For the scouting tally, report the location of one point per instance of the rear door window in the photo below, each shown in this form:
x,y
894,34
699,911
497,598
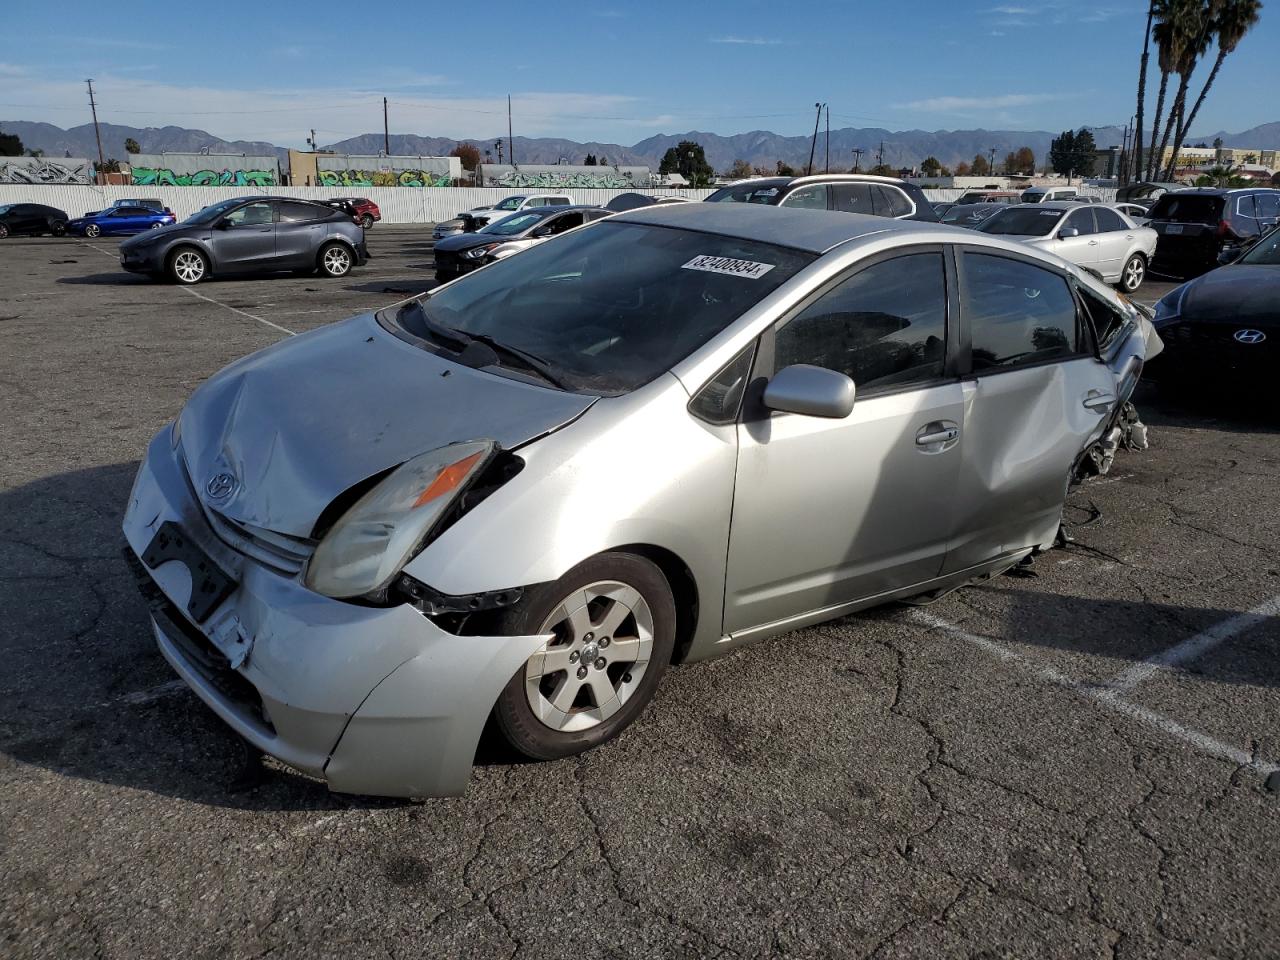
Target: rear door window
x,y
293,212
854,198
1017,314
1108,220
891,202
1268,206
1245,206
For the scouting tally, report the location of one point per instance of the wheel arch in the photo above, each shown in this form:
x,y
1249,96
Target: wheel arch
x,y
684,589
351,247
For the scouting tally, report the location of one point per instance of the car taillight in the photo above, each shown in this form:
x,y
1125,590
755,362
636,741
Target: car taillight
x,y
1224,229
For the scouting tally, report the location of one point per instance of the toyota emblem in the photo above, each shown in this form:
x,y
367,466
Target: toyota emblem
x,y
220,486
1249,336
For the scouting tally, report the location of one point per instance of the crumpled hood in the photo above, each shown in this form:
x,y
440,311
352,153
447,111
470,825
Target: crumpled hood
x,y
298,423
1240,294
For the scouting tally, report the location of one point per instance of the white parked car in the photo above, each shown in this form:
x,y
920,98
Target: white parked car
x,y
510,205
1095,236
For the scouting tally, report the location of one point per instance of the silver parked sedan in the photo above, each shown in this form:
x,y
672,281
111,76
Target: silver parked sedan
x,y
651,440
1097,237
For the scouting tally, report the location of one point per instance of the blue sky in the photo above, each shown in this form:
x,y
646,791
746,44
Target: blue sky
x,y
598,70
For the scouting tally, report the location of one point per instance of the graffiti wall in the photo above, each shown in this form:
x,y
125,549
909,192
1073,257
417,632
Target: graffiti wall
x,y
44,170
203,170
563,176
345,170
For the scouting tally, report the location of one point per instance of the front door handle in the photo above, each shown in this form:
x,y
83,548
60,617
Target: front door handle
x,y
937,434
1093,243
1097,401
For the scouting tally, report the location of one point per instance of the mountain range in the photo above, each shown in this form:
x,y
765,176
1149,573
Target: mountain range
x,y
759,147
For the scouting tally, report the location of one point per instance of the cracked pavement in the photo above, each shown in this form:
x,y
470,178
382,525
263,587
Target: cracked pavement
x,y
871,787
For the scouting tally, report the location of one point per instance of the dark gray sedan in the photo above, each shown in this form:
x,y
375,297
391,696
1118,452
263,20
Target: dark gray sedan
x,y
250,235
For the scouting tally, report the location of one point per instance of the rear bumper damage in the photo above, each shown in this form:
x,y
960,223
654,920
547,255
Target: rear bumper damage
x,y
374,700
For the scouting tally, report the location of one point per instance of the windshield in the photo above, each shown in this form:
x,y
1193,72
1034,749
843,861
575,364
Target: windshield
x,y
511,203
509,226
5,208
747,193
615,306
212,212
1266,251
1022,222
1032,196
1183,208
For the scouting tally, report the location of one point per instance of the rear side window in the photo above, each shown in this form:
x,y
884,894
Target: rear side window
x,y
1188,209
854,198
1082,220
293,212
1016,313
891,202
812,197
1268,206
1108,220
884,327
1244,205
558,202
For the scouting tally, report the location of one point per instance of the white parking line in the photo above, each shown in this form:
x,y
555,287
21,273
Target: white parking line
x,y
1105,697
242,313
1195,647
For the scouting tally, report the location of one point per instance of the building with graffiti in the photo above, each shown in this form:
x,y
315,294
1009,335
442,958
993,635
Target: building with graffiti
x,y
203,170
563,176
351,170
45,170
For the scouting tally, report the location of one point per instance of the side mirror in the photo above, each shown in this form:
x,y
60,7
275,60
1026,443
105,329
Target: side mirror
x,y
1229,255
1066,233
541,232
222,225
810,391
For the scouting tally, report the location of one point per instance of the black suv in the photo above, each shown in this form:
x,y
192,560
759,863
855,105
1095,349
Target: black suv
x,y
31,218
846,192
1196,227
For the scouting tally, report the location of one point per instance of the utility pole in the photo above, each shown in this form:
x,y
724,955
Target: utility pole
x,y
813,144
991,164
857,156
511,144
386,130
312,141
826,167
93,107
880,155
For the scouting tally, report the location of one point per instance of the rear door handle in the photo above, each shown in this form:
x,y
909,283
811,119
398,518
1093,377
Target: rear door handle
x,y
1097,401
1093,243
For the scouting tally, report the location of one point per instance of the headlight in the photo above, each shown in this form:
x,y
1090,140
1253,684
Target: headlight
x,y
365,550
475,253
1170,306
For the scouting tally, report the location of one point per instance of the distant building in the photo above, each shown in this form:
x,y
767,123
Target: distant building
x,y
562,176
203,170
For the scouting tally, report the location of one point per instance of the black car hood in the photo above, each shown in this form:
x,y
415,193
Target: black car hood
x,y
467,241
1245,294
304,420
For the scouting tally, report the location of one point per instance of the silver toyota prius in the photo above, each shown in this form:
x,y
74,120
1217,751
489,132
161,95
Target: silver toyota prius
x,y
651,440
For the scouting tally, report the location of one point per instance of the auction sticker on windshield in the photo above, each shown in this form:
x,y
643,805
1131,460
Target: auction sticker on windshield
x,y
729,266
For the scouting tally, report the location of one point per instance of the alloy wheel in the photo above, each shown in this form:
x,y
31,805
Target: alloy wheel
x,y
1134,271
336,261
156,226
92,230
4,231
366,221
188,266
602,637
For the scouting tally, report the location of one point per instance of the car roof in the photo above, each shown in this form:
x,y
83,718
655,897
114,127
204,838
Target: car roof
x,y
1051,205
816,178
815,231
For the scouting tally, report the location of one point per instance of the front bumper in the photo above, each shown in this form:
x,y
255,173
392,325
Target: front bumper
x,y
374,700
1210,350
146,260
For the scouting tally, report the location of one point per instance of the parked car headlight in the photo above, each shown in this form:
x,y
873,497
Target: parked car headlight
x,y
475,253
367,547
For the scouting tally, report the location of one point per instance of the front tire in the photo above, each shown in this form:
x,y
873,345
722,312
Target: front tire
x,y
92,231
4,230
58,229
1134,272
367,221
336,260
613,622
188,266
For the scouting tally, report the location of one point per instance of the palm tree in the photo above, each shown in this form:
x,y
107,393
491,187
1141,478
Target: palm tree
x,y
1234,20
1142,90
1193,27
1168,39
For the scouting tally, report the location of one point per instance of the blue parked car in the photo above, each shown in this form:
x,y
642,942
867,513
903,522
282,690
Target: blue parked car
x,y
120,220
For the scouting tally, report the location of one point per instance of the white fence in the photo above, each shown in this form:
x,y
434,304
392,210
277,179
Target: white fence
x,y
398,204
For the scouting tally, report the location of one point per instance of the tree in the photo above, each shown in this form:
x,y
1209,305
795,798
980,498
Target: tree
x,y
591,161
1199,27
1217,143
131,145
1142,87
1234,20
469,154
1010,163
740,170
1072,153
962,169
980,167
784,170
946,172
35,152
10,145
1182,36
689,160
930,167
1026,160
883,170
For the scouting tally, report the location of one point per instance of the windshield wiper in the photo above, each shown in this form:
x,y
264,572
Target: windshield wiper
x,y
460,340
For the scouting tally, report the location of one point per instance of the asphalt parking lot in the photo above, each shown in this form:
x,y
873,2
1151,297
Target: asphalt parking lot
x,y
1073,763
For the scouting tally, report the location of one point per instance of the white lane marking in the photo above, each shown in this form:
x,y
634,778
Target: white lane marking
x,y
86,243
1195,647
243,313
1104,697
